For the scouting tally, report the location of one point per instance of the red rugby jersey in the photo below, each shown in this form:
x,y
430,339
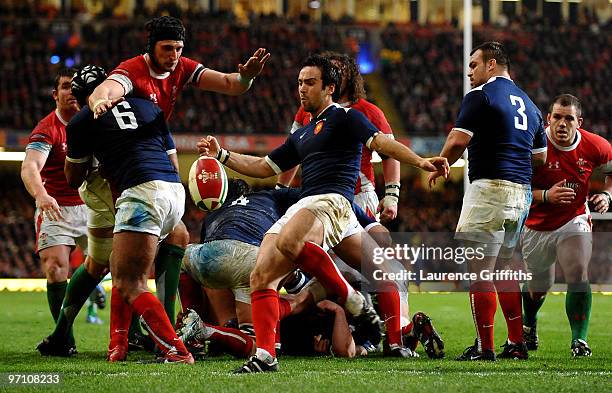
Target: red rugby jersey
x,y
137,77
574,163
52,130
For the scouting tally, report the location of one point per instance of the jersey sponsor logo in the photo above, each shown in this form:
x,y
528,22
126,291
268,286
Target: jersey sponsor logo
x,y
554,165
153,97
319,126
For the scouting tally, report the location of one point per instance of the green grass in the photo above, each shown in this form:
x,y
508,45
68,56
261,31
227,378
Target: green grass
x,y
25,320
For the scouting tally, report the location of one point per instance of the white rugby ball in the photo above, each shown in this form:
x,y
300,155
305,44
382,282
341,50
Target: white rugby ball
x,y
207,183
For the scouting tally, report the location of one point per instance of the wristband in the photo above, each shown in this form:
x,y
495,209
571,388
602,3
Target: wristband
x,y
544,199
606,193
392,189
223,156
245,81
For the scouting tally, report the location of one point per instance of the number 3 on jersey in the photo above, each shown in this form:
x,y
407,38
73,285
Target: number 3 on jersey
x,y
520,123
125,119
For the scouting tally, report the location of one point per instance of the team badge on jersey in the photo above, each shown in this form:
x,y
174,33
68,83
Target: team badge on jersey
x,y
319,126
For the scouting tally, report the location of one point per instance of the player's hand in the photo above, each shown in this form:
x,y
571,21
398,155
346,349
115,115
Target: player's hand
x,y
49,208
254,65
387,208
103,105
328,305
560,195
321,345
436,164
209,146
600,202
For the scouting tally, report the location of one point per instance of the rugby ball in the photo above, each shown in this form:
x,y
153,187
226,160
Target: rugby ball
x,y
207,183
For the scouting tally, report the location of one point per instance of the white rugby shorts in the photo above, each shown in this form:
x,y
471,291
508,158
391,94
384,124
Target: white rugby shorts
x,y
96,193
539,248
368,201
333,210
71,230
154,207
222,264
493,213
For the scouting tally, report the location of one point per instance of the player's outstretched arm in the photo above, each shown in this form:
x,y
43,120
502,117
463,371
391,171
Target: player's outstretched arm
x,y
393,148
453,149
105,96
241,163
237,82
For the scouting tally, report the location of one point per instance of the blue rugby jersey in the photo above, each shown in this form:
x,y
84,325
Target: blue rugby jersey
x,y
131,142
248,217
506,129
329,150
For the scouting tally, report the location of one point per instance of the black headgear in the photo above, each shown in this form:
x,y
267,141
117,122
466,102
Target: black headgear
x,y
85,80
164,28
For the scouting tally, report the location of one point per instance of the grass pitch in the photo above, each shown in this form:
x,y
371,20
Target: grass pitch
x,y
25,320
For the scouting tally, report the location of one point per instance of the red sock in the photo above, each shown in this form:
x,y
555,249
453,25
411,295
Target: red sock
x,y
407,329
509,294
389,303
265,309
284,308
316,262
233,341
155,320
190,293
484,305
120,319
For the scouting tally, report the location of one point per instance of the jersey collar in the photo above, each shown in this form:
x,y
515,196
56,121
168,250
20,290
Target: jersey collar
x,y
59,116
326,108
564,148
491,79
151,71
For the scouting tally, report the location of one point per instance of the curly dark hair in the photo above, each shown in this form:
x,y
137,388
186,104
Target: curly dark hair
x,y
350,71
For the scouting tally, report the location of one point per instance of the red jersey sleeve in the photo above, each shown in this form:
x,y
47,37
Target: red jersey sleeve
x,y
604,154
193,71
377,117
43,132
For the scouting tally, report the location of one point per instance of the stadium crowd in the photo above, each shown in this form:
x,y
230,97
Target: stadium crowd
x,y
421,65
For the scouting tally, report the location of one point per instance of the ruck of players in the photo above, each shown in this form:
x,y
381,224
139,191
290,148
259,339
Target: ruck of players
x,y
284,271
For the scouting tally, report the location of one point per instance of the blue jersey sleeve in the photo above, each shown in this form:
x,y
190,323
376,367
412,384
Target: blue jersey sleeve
x,y
361,127
76,136
362,216
168,141
284,157
470,113
539,139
